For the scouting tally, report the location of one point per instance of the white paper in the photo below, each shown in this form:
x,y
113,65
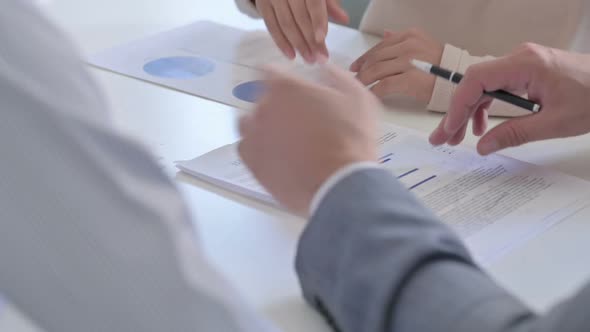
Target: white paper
x,y
494,203
212,61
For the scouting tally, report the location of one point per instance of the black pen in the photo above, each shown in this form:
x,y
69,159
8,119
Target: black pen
x,y
457,77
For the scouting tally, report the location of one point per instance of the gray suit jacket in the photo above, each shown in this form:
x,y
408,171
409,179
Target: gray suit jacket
x,y
93,236
391,265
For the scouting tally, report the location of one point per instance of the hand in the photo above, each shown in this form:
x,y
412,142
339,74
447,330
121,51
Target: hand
x,y
388,63
301,25
303,132
559,81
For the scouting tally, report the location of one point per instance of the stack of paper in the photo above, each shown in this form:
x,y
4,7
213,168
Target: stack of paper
x,y
494,203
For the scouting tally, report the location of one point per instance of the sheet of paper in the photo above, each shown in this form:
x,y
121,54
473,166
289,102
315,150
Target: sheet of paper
x,y
219,62
494,203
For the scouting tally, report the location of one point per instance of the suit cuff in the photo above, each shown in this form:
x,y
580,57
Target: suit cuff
x,y
365,241
335,178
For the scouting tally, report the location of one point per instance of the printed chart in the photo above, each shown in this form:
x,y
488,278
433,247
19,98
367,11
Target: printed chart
x,y
249,91
179,67
219,62
412,177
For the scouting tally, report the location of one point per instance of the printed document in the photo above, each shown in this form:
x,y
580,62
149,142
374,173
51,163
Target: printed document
x,y
494,203
219,62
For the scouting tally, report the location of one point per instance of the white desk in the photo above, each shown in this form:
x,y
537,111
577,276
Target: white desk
x,y
254,245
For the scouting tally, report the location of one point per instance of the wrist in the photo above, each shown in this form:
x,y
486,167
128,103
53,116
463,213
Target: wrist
x,y
334,178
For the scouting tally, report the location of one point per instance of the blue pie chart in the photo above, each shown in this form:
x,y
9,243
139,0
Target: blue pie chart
x,y
179,67
249,91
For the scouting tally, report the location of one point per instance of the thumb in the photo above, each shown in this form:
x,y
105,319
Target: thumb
x,y
336,12
512,133
387,33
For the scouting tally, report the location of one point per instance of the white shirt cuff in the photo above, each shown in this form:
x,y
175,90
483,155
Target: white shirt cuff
x,y
335,178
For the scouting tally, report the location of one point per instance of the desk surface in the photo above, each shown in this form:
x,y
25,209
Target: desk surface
x,y
252,244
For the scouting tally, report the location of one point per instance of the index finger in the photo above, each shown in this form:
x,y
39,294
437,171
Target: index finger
x,y
391,39
511,73
318,12
272,24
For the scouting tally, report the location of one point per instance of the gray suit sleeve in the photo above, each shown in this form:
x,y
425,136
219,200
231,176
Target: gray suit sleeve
x,y
93,236
373,259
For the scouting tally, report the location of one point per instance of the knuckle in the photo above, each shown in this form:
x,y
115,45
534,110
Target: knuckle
x,y
471,74
529,47
535,52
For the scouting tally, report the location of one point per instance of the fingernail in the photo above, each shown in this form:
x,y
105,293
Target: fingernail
x,y
309,57
289,54
488,147
433,138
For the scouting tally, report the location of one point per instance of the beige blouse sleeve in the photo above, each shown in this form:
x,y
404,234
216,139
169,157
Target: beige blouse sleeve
x,y
459,60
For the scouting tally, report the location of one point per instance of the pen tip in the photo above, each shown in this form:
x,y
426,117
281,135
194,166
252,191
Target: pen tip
x,y
424,66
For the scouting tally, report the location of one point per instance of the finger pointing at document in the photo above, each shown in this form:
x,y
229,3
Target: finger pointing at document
x,y
301,26
557,80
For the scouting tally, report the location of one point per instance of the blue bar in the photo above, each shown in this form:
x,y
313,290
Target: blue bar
x,y
422,182
386,160
407,173
386,156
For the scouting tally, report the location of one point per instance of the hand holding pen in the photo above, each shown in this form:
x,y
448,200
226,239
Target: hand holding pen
x,y
557,80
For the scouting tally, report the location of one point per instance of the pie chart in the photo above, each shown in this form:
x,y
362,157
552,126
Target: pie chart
x,y
179,67
249,91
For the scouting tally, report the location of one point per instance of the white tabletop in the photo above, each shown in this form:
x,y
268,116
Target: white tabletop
x,y
252,244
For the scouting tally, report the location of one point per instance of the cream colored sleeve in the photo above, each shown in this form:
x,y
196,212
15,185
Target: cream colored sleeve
x,y
459,60
247,7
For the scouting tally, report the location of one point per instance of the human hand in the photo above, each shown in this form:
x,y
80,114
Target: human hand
x,y
557,80
301,25
303,132
388,63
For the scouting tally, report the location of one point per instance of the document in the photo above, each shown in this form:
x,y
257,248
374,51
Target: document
x,y
494,203
219,62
